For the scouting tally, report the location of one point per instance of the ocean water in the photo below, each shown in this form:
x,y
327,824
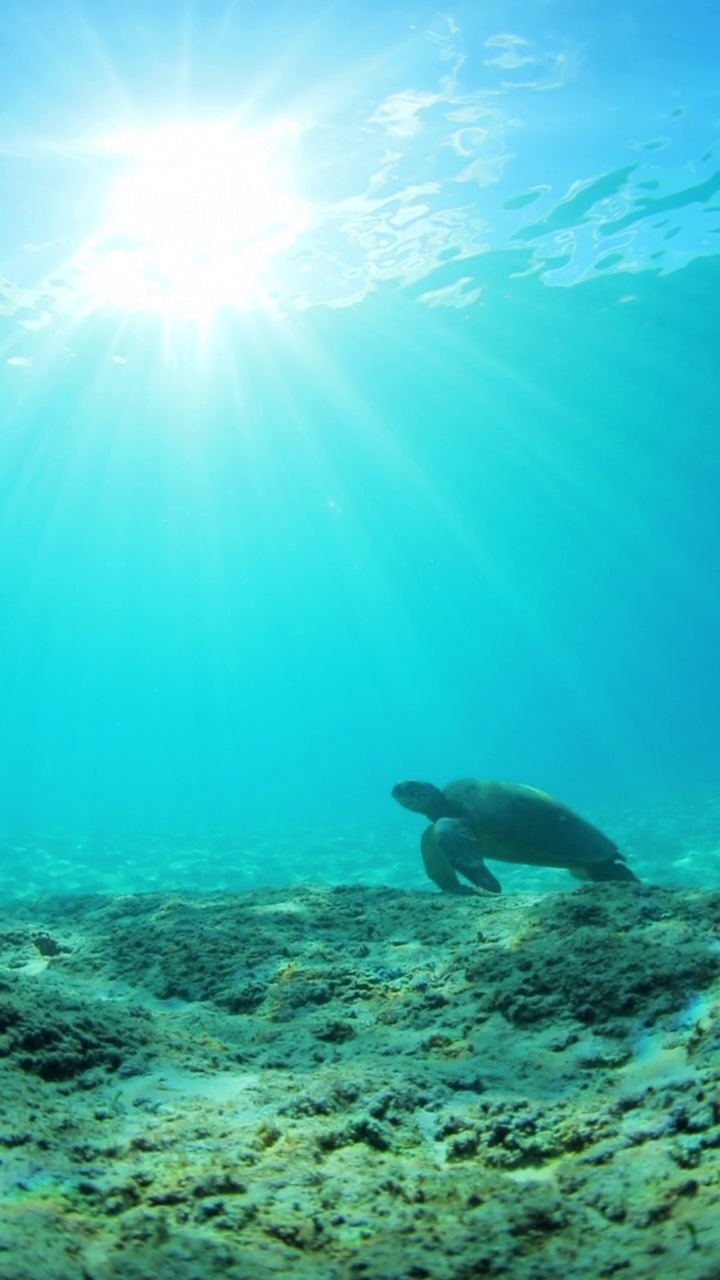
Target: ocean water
x,y
358,372
359,420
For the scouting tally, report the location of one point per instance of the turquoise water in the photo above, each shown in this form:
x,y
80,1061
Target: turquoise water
x,y
407,468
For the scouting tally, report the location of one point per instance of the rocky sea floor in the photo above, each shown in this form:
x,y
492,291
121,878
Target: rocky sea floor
x,y
340,1082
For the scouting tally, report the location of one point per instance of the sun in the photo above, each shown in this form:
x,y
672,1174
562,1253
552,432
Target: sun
x,y
196,218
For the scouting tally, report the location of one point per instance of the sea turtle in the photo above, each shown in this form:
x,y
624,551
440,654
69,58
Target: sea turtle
x,y
474,819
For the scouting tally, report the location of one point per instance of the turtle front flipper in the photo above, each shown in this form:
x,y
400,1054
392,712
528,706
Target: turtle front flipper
x,y
462,851
437,865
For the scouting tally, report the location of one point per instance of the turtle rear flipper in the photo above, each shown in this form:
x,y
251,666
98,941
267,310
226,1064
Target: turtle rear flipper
x,y
602,872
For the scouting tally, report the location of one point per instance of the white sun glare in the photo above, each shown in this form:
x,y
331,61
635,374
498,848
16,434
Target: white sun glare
x,y
196,218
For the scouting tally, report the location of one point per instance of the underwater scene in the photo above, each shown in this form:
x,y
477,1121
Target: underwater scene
x,y
360,640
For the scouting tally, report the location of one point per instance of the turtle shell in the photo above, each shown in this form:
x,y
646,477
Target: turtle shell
x,y
515,823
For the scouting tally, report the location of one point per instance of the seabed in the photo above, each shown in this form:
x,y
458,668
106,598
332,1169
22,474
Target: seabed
x,y
339,1082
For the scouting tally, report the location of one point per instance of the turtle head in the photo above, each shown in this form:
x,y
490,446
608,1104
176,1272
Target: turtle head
x,y
421,797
